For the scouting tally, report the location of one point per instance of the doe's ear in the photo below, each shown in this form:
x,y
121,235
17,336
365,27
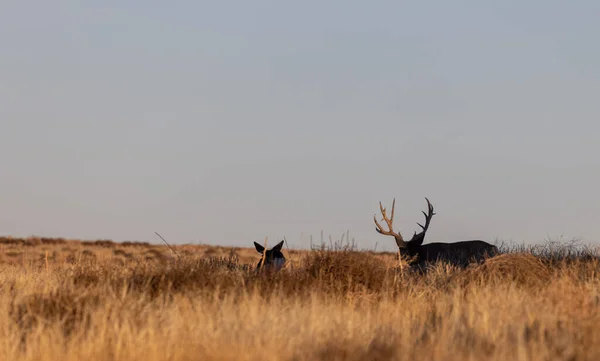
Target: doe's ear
x,y
259,248
278,246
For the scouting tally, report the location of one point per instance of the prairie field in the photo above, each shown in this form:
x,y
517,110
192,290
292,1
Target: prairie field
x,y
100,300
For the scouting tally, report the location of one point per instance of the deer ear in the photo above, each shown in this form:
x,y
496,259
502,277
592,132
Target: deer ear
x,y
417,239
278,246
259,248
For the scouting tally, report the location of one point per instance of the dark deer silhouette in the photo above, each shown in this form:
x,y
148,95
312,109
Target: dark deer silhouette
x,y
458,253
273,258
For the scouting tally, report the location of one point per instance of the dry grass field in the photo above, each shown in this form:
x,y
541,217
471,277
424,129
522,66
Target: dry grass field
x,y
72,300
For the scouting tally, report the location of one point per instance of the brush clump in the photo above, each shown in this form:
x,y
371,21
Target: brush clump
x,y
519,269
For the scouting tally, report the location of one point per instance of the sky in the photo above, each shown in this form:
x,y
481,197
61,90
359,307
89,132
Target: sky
x,y
228,122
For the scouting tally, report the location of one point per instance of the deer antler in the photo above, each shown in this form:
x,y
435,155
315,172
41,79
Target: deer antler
x,y
420,237
390,232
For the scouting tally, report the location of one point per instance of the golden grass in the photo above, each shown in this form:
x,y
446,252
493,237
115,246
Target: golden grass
x,y
110,301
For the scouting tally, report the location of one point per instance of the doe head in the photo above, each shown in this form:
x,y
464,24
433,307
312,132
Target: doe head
x,y
273,258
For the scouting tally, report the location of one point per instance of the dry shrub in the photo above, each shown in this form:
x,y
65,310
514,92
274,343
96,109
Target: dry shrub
x,y
376,350
9,240
88,254
211,251
120,252
32,241
581,269
522,269
155,255
66,307
71,258
346,270
231,263
135,244
85,277
187,275
28,242
49,240
186,252
103,243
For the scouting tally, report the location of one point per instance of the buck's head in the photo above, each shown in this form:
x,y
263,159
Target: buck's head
x,y
405,247
273,258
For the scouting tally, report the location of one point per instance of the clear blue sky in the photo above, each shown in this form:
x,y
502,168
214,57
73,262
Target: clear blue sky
x,y
225,122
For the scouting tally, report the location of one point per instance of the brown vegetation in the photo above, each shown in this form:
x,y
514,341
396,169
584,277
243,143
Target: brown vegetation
x,y
108,301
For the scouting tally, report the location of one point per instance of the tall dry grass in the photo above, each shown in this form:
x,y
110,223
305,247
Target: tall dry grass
x,y
331,305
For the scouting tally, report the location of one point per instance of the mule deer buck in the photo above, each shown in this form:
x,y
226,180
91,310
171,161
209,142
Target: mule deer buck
x,y
458,253
272,258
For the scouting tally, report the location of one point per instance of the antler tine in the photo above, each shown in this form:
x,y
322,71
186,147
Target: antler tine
x,y
393,209
386,219
428,215
417,239
381,209
389,221
379,228
429,206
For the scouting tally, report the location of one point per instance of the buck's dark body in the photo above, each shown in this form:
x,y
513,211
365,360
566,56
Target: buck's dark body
x,y
458,253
